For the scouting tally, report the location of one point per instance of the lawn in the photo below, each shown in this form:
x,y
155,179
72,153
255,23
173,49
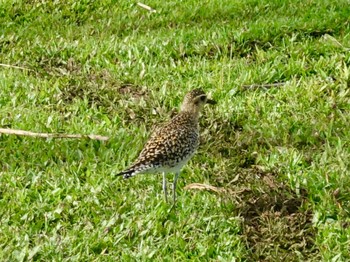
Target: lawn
x,y
275,148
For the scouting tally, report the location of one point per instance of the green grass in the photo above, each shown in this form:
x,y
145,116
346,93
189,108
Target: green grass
x,y
112,68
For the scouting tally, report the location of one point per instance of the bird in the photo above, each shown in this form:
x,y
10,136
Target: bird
x,y
172,144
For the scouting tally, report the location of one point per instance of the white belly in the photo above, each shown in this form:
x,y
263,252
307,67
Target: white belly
x,y
176,168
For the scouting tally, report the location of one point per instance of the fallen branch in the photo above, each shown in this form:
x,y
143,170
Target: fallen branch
x,y
17,67
254,86
50,135
146,7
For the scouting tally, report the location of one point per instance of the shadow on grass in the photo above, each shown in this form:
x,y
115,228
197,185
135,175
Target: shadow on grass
x,y
276,222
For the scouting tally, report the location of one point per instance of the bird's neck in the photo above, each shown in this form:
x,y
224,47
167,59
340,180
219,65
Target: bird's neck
x,y
192,115
191,109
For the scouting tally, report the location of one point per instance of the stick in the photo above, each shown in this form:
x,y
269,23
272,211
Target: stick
x,y
50,135
146,7
204,187
253,86
218,190
334,41
17,67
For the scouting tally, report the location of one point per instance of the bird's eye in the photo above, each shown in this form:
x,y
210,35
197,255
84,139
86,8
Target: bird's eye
x,y
203,98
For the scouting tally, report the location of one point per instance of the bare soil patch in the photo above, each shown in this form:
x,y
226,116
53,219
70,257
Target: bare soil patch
x,y
276,222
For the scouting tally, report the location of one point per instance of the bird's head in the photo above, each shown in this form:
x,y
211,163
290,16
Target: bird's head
x,y
195,100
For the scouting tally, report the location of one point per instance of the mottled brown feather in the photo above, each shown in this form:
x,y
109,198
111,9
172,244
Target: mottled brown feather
x,y
174,143
171,143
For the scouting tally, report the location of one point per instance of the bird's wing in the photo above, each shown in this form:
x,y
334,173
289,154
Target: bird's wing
x,y
168,144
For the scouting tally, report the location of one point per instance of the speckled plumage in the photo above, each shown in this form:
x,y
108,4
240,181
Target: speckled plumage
x,y
173,144
168,146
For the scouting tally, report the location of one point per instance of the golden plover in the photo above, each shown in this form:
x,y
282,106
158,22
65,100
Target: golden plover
x,y
173,144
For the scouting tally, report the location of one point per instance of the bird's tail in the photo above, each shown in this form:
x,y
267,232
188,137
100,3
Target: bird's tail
x,y
130,172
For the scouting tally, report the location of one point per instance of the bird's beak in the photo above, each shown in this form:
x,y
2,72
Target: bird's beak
x,y
211,102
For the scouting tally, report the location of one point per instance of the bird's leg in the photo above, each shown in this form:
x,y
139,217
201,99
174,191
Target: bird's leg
x,y
164,187
174,186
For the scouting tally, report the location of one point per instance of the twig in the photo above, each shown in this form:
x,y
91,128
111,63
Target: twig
x,y
146,7
334,41
17,67
219,190
204,187
254,86
50,135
